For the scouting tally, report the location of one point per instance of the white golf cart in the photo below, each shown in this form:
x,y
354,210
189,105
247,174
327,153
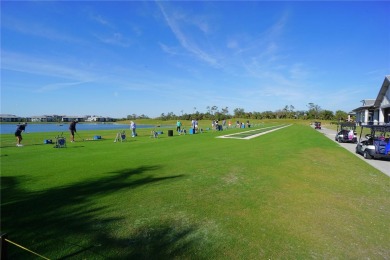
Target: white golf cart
x,y
376,144
346,133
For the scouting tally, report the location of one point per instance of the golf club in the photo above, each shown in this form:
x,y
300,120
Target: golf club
x,y
80,136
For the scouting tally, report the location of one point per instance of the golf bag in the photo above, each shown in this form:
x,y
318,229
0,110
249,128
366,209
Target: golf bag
x,y
120,136
60,142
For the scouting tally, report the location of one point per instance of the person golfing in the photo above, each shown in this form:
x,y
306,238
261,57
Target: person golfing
x,y
133,128
18,133
72,129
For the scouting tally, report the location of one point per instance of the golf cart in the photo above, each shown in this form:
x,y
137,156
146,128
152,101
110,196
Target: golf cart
x,y
346,133
376,144
317,125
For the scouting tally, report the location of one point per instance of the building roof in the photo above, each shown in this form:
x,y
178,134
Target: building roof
x,y
8,115
44,116
367,103
382,91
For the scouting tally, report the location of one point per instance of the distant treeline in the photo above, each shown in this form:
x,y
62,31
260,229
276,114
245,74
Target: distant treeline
x,y
314,112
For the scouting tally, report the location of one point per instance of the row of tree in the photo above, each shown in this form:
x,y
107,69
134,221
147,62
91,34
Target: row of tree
x,y
314,112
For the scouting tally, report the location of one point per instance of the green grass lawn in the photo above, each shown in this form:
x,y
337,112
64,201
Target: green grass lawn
x,y
292,193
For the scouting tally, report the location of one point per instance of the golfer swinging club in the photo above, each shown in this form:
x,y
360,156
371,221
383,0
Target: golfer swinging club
x,y
72,129
18,133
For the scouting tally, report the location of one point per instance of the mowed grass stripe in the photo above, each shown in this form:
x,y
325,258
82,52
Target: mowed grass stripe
x,y
246,134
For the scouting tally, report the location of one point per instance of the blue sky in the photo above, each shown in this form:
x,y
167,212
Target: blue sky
x,y
150,57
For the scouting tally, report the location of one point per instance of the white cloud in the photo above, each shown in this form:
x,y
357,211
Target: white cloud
x,y
177,20
114,39
57,86
113,36
37,29
232,44
263,61
167,49
43,67
99,19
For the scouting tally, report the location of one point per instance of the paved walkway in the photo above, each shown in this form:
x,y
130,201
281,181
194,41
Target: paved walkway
x,y
382,165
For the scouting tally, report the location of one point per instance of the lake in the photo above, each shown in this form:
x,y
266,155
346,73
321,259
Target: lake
x,y
36,128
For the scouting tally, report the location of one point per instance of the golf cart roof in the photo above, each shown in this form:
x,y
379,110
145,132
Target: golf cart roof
x,y
350,124
382,128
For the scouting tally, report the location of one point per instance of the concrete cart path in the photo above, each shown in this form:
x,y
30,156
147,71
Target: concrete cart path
x,y
382,165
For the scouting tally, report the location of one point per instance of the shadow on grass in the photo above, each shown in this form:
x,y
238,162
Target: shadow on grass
x,y
78,146
68,222
155,241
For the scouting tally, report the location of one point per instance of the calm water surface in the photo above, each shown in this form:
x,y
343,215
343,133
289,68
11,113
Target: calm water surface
x,y
36,128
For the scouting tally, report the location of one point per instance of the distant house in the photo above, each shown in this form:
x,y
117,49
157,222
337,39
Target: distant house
x,y
376,111
96,119
9,118
99,119
71,118
44,118
351,115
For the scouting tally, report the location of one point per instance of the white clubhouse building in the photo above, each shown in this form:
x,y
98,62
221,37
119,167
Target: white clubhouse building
x,y
376,111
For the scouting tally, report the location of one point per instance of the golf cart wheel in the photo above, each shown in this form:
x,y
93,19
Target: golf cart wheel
x,y
366,155
339,140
